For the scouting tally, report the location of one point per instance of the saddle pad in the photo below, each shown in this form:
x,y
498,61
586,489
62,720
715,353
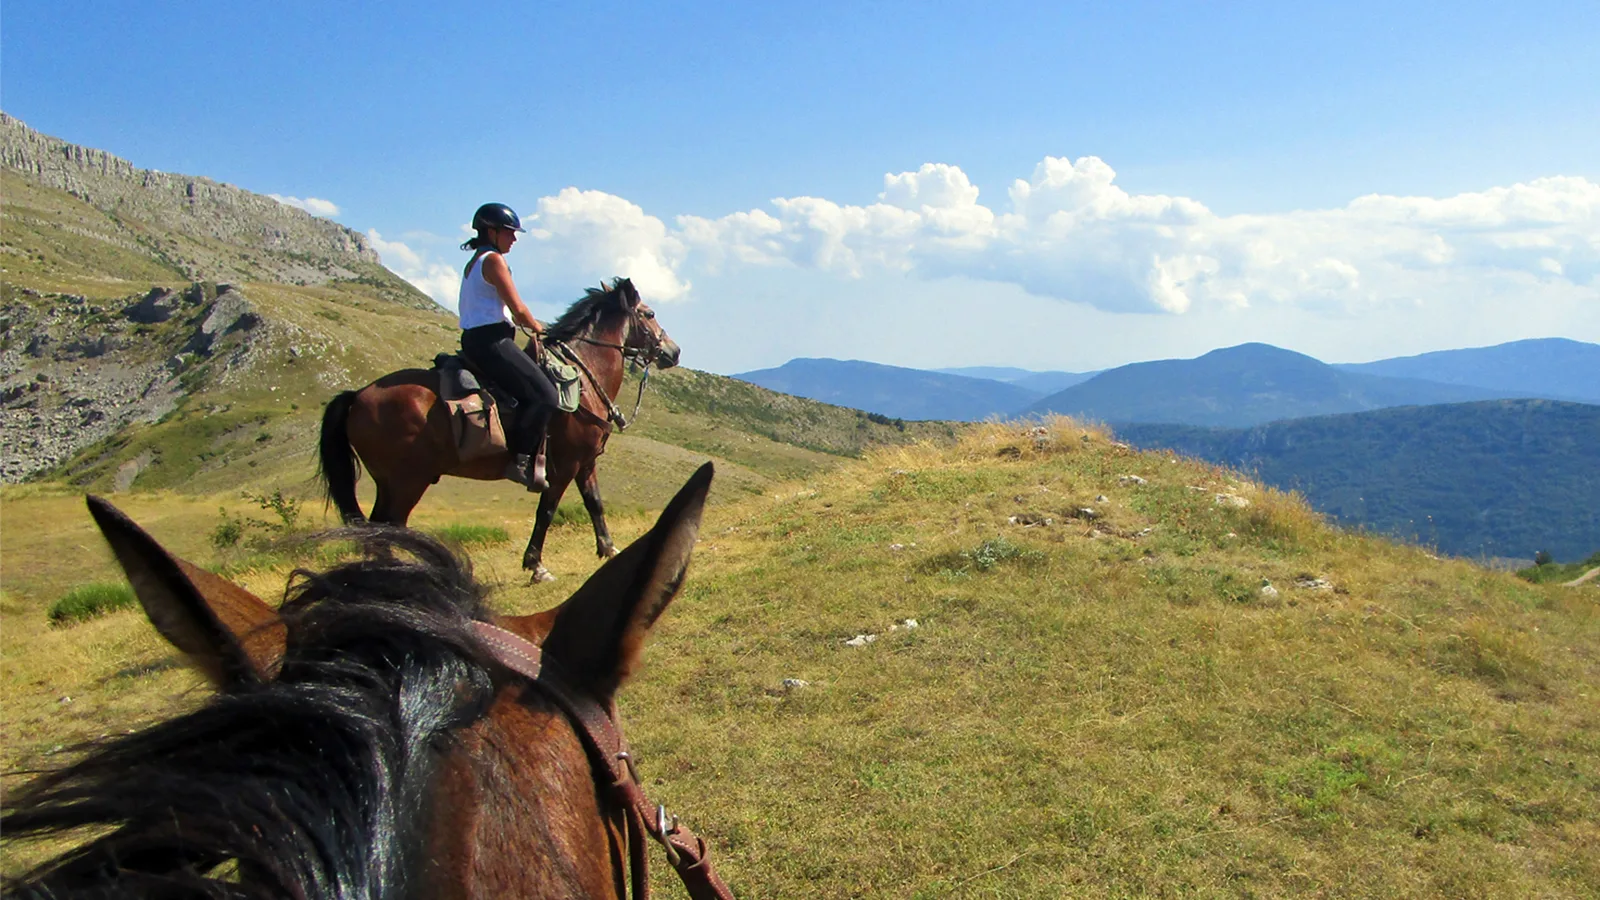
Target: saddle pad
x,y
455,380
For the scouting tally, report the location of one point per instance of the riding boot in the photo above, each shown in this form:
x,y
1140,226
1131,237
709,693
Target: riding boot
x,y
524,469
518,470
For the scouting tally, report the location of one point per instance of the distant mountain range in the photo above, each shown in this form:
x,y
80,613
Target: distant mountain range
x,y
1499,478
1232,387
1555,368
892,391
1244,385
1041,382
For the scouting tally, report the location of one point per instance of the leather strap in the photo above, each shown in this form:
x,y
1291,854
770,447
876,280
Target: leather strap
x,y
613,767
512,650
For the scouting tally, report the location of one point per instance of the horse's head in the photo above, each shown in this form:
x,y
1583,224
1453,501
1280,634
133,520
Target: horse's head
x,y
646,339
460,776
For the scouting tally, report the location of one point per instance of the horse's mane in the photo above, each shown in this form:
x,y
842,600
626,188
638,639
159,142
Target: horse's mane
x,y
588,309
310,783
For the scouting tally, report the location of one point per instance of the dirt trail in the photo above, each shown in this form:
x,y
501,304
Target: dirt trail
x,y
1590,575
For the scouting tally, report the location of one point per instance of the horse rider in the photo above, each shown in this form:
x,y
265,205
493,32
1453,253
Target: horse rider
x,y
490,306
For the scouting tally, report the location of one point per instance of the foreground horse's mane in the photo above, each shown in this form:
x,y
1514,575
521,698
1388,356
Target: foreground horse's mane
x,y
587,310
307,782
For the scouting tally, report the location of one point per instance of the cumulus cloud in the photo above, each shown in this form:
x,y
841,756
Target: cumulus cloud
x,y
1072,233
314,205
582,236
436,279
575,238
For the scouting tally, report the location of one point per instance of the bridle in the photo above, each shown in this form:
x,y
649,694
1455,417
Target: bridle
x,y
613,767
640,357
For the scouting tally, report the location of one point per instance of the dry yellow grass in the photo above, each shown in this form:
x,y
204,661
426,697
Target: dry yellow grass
x,y
1104,705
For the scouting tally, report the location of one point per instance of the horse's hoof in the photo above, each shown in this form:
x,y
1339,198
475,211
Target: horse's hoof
x,y
541,575
607,551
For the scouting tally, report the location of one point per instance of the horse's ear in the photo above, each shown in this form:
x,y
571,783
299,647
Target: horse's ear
x,y
228,634
599,631
629,292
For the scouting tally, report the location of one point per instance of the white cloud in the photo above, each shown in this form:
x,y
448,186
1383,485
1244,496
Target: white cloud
x,y
1069,232
313,205
437,280
580,237
1072,234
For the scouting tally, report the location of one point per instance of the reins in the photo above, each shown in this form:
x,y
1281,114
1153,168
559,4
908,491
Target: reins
x,y
613,414
609,757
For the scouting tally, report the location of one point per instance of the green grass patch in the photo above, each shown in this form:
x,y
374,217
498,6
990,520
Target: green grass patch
x,y
91,600
462,534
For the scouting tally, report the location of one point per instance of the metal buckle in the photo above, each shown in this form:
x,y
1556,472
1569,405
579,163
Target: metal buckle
x,y
667,825
627,761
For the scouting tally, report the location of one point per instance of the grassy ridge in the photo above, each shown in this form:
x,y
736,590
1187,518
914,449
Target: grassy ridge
x,y
1113,707
1113,715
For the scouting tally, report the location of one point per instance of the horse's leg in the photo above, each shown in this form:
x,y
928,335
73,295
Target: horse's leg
x,y
396,499
533,557
589,487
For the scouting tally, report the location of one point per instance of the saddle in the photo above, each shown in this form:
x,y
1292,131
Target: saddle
x,y
478,417
481,411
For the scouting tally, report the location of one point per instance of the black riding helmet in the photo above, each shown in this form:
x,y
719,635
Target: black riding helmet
x,y
496,215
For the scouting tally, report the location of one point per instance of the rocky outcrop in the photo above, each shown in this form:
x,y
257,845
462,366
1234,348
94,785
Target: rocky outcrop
x,y
74,372
211,231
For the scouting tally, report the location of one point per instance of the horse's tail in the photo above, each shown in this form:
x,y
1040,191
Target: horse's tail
x,y
337,465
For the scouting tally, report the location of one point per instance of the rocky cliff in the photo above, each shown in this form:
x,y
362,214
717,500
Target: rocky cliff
x,y
203,229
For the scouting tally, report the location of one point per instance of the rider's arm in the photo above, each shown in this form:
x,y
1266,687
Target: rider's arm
x,y
497,273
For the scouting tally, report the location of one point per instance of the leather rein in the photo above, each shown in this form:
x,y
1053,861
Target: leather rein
x,y
614,773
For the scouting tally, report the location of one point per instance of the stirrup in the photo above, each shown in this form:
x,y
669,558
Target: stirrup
x,y
536,478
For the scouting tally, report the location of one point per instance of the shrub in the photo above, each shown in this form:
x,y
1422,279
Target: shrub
x,y
229,531
983,557
287,509
91,600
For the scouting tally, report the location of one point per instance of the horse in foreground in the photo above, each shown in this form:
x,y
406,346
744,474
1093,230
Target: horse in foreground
x,y
400,430
382,735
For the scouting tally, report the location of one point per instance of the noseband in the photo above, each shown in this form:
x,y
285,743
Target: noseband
x,y
614,773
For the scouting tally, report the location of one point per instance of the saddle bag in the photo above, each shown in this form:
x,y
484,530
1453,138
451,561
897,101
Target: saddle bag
x,y
474,422
475,425
569,389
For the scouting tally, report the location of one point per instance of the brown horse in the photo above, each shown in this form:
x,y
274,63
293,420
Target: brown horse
x,y
400,430
375,737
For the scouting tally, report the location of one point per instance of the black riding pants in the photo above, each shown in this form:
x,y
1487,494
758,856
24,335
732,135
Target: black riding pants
x,y
493,349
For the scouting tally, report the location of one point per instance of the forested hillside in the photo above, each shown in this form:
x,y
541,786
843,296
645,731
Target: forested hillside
x,y
1501,478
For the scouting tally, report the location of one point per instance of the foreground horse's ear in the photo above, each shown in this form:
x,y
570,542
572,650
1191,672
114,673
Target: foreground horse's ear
x,y
599,631
227,632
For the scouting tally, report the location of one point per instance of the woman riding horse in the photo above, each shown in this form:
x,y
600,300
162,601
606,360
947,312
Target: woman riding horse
x,y
490,306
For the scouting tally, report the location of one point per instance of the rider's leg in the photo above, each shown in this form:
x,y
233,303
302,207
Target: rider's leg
x,y
533,421
494,350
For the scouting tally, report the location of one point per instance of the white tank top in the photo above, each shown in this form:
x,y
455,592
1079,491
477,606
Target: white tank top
x,y
479,302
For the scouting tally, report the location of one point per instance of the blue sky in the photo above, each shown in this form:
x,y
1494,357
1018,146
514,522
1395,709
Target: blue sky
x,y
1069,187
